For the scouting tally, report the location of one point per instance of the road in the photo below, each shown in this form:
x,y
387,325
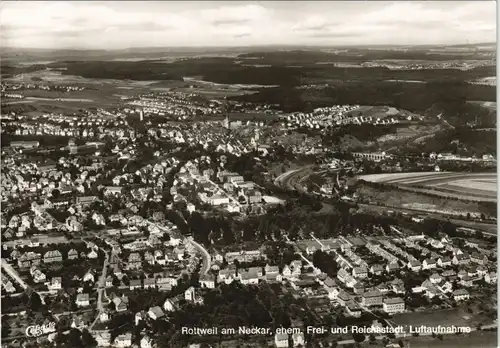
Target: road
x,y
12,272
289,179
207,260
101,288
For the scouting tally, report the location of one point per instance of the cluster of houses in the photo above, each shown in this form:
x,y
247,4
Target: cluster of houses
x,y
233,193
453,270
315,119
334,115
32,86
178,105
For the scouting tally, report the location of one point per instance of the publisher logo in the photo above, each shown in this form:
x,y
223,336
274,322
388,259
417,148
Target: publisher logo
x,y
39,330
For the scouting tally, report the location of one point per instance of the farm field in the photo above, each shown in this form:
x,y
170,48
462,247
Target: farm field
x,y
464,186
414,199
445,317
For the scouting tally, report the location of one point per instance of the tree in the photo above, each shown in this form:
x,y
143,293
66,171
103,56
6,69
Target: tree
x,y
74,339
88,340
56,193
35,302
5,329
358,337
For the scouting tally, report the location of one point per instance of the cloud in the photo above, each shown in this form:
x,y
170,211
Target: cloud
x,y
312,23
412,22
234,14
117,24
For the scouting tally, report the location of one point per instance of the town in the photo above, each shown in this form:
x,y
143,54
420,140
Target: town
x,y
246,197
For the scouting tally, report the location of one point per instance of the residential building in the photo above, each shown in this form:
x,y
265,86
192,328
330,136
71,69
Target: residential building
x,y
298,339
171,304
72,254
372,298
55,284
146,342
156,313
461,295
123,341
461,259
394,305
360,272
189,294
281,340
28,259
207,281
82,300
491,278
444,261
121,303
52,256
135,284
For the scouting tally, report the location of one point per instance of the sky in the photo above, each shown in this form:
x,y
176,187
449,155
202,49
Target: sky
x,y
126,24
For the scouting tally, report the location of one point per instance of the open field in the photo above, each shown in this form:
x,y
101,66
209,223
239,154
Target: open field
x,y
416,200
489,81
214,92
465,186
374,111
488,105
488,228
445,317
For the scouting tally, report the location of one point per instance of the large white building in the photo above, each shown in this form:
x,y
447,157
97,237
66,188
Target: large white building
x,y
394,305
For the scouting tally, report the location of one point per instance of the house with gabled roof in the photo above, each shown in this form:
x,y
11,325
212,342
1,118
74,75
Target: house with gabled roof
x,y
207,281
156,313
82,300
121,303
72,254
146,342
391,267
376,269
149,283
52,256
123,341
461,295
444,261
461,259
372,298
55,284
479,258
491,278
28,259
171,304
135,284
429,264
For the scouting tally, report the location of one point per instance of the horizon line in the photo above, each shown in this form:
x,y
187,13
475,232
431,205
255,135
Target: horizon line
x,y
245,46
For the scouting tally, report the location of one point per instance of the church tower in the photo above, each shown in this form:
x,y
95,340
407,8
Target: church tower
x,y
225,113
256,138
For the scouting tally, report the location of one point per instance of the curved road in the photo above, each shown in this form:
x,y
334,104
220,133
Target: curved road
x,y
290,179
207,260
